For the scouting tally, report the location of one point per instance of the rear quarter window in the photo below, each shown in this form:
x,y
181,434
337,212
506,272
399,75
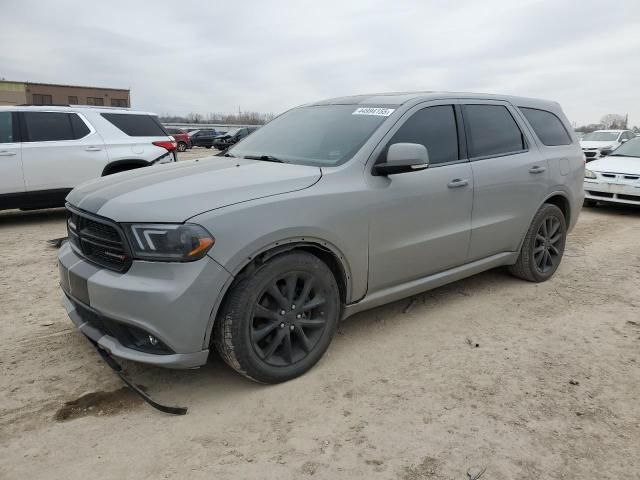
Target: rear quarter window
x,y
136,125
547,126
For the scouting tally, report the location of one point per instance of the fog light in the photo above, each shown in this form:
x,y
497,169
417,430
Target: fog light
x,y
153,340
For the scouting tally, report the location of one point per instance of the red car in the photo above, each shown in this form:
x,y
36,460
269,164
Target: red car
x,y
182,138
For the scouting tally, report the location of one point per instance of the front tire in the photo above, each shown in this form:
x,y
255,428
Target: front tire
x,y
543,246
277,322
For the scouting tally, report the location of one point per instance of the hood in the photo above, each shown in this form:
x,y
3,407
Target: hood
x,y
177,191
613,164
591,144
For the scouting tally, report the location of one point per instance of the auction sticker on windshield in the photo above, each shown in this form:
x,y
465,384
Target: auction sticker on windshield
x,y
379,112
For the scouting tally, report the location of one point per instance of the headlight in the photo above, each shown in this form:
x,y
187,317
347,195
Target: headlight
x,y
168,242
589,174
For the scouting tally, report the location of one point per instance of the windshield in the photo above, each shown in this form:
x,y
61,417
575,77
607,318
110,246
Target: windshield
x,y
600,137
628,149
323,135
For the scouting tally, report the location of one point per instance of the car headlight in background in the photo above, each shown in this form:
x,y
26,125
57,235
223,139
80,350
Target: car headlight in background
x,y
589,174
168,242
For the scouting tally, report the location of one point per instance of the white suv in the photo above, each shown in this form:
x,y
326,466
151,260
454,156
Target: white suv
x,y
46,151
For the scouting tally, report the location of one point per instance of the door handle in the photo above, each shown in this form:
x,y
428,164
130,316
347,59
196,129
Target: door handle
x,y
458,182
537,169
6,153
93,149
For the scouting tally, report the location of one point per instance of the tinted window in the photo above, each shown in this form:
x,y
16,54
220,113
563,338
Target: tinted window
x,y
491,131
47,126
73,100
80,128
547,126
6,128
136,125
433,127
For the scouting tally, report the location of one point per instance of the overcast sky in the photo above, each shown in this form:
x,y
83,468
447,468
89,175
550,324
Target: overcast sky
x,y
207,56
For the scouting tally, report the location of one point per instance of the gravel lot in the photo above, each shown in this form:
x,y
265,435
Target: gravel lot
x,y
528,381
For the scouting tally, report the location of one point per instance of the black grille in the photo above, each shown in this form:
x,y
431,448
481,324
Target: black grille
x,y
590,154
600,194
98,240
633,198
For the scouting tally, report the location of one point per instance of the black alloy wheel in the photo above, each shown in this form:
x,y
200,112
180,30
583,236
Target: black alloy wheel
x,y
276,322
546,251
288,319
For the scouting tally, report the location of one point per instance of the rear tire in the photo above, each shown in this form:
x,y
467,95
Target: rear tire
x,y
543,246
182,146
277,322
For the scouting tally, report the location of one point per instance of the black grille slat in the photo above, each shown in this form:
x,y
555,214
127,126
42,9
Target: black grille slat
x,y
99,241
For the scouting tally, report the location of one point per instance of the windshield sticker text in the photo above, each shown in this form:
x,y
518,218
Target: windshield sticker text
x,y
379,112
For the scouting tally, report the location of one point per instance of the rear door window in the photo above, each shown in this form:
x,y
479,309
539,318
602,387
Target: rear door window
x,y
47,126
6,127
80,128
433,127
136,125
491,131
547,126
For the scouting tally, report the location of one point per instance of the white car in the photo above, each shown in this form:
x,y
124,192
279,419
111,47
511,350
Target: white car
x,y
46,151
616,177
601,142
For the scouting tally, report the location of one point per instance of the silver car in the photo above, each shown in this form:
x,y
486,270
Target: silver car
x,y
330,209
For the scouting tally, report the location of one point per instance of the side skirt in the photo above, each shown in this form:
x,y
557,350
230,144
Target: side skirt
x,y
34,200
436,280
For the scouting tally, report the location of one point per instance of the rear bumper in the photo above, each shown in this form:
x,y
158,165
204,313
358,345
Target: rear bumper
x,y
170,301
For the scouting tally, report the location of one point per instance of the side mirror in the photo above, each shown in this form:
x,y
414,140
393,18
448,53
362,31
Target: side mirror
x,y
403,158
604,153
624,140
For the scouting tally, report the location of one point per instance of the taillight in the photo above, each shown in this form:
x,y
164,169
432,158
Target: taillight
x,y
169,145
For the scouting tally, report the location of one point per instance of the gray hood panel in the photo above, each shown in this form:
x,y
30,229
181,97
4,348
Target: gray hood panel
x,y
175,192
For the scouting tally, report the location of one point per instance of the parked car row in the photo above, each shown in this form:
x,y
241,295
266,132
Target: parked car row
x,y
218,139
601,142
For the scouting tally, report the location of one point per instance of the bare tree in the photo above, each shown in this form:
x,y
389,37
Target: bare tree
x,y
614,121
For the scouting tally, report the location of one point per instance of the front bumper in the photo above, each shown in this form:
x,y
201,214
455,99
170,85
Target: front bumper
x,y
170,301
612,192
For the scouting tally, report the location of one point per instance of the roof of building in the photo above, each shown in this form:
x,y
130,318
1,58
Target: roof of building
x,y
66,86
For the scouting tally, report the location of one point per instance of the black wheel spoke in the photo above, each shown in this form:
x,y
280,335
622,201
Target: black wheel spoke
x,y
547,259
274,344
540,238
292,281
543,229
538,249
315,302
259,333
555,225
306,290
276,294
264,312
554,250
304,340
287,348
309,323
554,240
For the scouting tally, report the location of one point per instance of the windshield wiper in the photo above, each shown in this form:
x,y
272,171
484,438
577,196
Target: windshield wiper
x,y
265,158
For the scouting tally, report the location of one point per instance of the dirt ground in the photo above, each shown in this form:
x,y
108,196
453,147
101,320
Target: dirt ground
x,y
528,381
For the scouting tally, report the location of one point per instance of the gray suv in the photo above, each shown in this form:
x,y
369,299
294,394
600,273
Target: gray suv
x,y
330,209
